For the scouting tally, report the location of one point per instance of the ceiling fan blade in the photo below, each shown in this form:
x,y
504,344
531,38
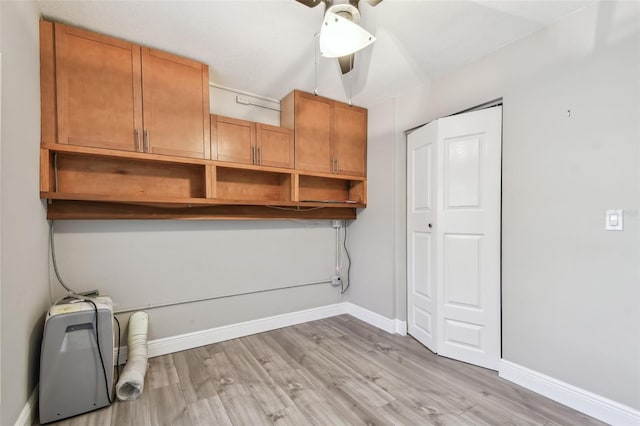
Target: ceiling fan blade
x,y
310,3
346,63
370,2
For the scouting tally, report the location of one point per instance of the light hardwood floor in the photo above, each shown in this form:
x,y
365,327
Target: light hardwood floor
x,y
337,371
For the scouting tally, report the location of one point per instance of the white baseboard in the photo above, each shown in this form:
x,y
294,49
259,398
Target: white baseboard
x,y
183,342
247,328
28,414
401,327
579,399
383,323
186,341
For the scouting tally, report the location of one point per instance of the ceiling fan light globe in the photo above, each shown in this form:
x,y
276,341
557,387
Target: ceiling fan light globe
x,y
341,37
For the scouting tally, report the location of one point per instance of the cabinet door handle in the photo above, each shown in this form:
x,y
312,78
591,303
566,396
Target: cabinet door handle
x,y
137,133
147,143
337,166
259,156
253,155
333,162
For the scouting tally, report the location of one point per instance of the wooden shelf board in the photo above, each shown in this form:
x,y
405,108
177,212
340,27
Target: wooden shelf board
x,y
171,202
140,199
133,155
330,175
230,165
125,155
70,209
323,204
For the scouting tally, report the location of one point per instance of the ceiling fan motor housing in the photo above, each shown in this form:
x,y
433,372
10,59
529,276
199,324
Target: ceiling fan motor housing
x,y
347,9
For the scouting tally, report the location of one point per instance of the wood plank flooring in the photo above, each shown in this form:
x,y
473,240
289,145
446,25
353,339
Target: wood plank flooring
x,y
337,371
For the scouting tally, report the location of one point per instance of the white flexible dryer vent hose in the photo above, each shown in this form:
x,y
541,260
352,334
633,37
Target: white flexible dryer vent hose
x,y
131,383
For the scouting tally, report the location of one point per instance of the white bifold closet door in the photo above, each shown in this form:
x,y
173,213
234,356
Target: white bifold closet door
x,y
453,236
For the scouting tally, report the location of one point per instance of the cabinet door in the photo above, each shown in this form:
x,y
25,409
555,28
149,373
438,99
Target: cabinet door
x,y
233,139
350,139
175,105
99,101
275,146
313,125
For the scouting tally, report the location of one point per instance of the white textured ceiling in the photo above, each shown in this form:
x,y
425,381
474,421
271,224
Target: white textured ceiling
x,y
266,47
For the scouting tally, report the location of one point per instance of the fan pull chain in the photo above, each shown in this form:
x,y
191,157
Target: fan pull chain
x,y
315,60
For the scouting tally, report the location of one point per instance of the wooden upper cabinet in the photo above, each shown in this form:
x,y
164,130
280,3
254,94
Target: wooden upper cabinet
x,y
97,86
330,136
232,140
274,146
175,105
311,118
109,93
241,141
350,139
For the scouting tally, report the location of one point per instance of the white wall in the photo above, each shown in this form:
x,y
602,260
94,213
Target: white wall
x,y
224,102
571,299
24,273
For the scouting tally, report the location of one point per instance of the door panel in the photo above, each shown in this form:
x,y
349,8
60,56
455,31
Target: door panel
x,y
313,124
421,189
234,140
468,237
421,157
350,139
99,100
461,168
461,258
422,250
463,335
275,146
422,323
176,105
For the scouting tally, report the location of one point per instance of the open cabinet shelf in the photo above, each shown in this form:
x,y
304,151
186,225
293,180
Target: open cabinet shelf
x,y
116,177
252,185
314,189
86,182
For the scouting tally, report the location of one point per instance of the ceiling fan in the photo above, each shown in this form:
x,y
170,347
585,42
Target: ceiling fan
x,y
346,13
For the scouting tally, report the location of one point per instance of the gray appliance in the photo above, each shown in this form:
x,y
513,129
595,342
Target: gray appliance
x,y
71,375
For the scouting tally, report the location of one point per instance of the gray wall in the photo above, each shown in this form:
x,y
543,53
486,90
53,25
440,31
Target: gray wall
x,y
371,235
142,263
571,301
378,236
0,211
24,273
